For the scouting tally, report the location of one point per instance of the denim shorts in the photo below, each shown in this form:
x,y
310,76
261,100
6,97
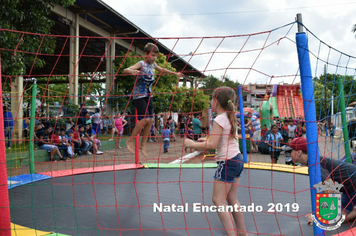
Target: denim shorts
x,y
228,170
48,147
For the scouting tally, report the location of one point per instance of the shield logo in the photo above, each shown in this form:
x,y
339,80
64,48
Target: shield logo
x,y
328,207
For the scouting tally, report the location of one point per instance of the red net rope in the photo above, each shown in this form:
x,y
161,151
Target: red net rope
x,y
137,200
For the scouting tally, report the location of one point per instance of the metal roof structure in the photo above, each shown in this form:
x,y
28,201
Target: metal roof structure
x,y
101,23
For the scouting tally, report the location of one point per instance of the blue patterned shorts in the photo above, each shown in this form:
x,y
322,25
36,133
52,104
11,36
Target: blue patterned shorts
x,y
228,170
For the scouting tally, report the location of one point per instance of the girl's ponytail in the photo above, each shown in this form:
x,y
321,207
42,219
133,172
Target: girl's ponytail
x,y
226,97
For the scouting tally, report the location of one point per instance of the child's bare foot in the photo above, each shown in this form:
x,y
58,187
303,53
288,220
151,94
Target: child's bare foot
x,y
143,150
129,146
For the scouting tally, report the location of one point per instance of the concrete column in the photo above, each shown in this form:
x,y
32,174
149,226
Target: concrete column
x,y
73,60
110,56
184,80
17,108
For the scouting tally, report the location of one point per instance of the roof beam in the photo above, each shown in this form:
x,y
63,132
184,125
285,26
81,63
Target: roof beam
x,y
65,13
90,11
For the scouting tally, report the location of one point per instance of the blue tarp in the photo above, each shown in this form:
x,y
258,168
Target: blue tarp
x,y
25,179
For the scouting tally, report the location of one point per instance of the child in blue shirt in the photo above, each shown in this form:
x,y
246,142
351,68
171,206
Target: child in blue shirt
x,y
274,140
166,138
66,140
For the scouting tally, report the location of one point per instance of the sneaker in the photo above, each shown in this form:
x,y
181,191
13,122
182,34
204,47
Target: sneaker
x,y
119,147
99,152
110,139
150,141
89,153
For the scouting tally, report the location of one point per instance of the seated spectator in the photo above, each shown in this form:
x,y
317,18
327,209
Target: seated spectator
x,y
43,142
66,140
80,147
82,136
55,140
90,137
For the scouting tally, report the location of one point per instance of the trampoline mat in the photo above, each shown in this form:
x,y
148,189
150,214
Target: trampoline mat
x,y
121,203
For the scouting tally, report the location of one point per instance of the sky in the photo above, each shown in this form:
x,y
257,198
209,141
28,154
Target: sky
x,y
249,41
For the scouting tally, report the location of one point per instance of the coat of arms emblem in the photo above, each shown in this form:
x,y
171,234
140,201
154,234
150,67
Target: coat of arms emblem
x,y
328,215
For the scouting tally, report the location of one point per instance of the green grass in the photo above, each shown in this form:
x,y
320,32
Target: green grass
x,y
23,147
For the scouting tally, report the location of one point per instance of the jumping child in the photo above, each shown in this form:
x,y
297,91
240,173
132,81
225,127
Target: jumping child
x,y
141,94
223,137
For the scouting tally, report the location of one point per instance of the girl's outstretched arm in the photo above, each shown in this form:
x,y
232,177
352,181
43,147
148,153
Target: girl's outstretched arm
x,y
204,143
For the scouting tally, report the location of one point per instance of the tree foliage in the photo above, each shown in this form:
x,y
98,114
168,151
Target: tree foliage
x,y
209,83
26,16
329,85
353,30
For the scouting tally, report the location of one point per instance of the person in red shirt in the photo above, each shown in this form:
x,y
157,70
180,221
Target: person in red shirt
x,y
55,140
264,130
80,146
285,125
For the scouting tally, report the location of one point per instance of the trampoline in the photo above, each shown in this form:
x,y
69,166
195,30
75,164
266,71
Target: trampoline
x,y
121,203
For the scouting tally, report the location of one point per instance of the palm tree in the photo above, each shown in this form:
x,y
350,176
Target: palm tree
x,y
354,29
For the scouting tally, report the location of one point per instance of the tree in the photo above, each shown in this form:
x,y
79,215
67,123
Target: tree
x,y
322,107
329,86
194,100
353,30
210,83
27,16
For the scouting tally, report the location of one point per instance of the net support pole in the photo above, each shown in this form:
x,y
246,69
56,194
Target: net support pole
x,y
310,116
343,119
31,148
137,141
242,122
5,225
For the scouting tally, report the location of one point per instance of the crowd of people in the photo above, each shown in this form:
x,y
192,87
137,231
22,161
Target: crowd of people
x,y
189,126
76,141
277,137
81,138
